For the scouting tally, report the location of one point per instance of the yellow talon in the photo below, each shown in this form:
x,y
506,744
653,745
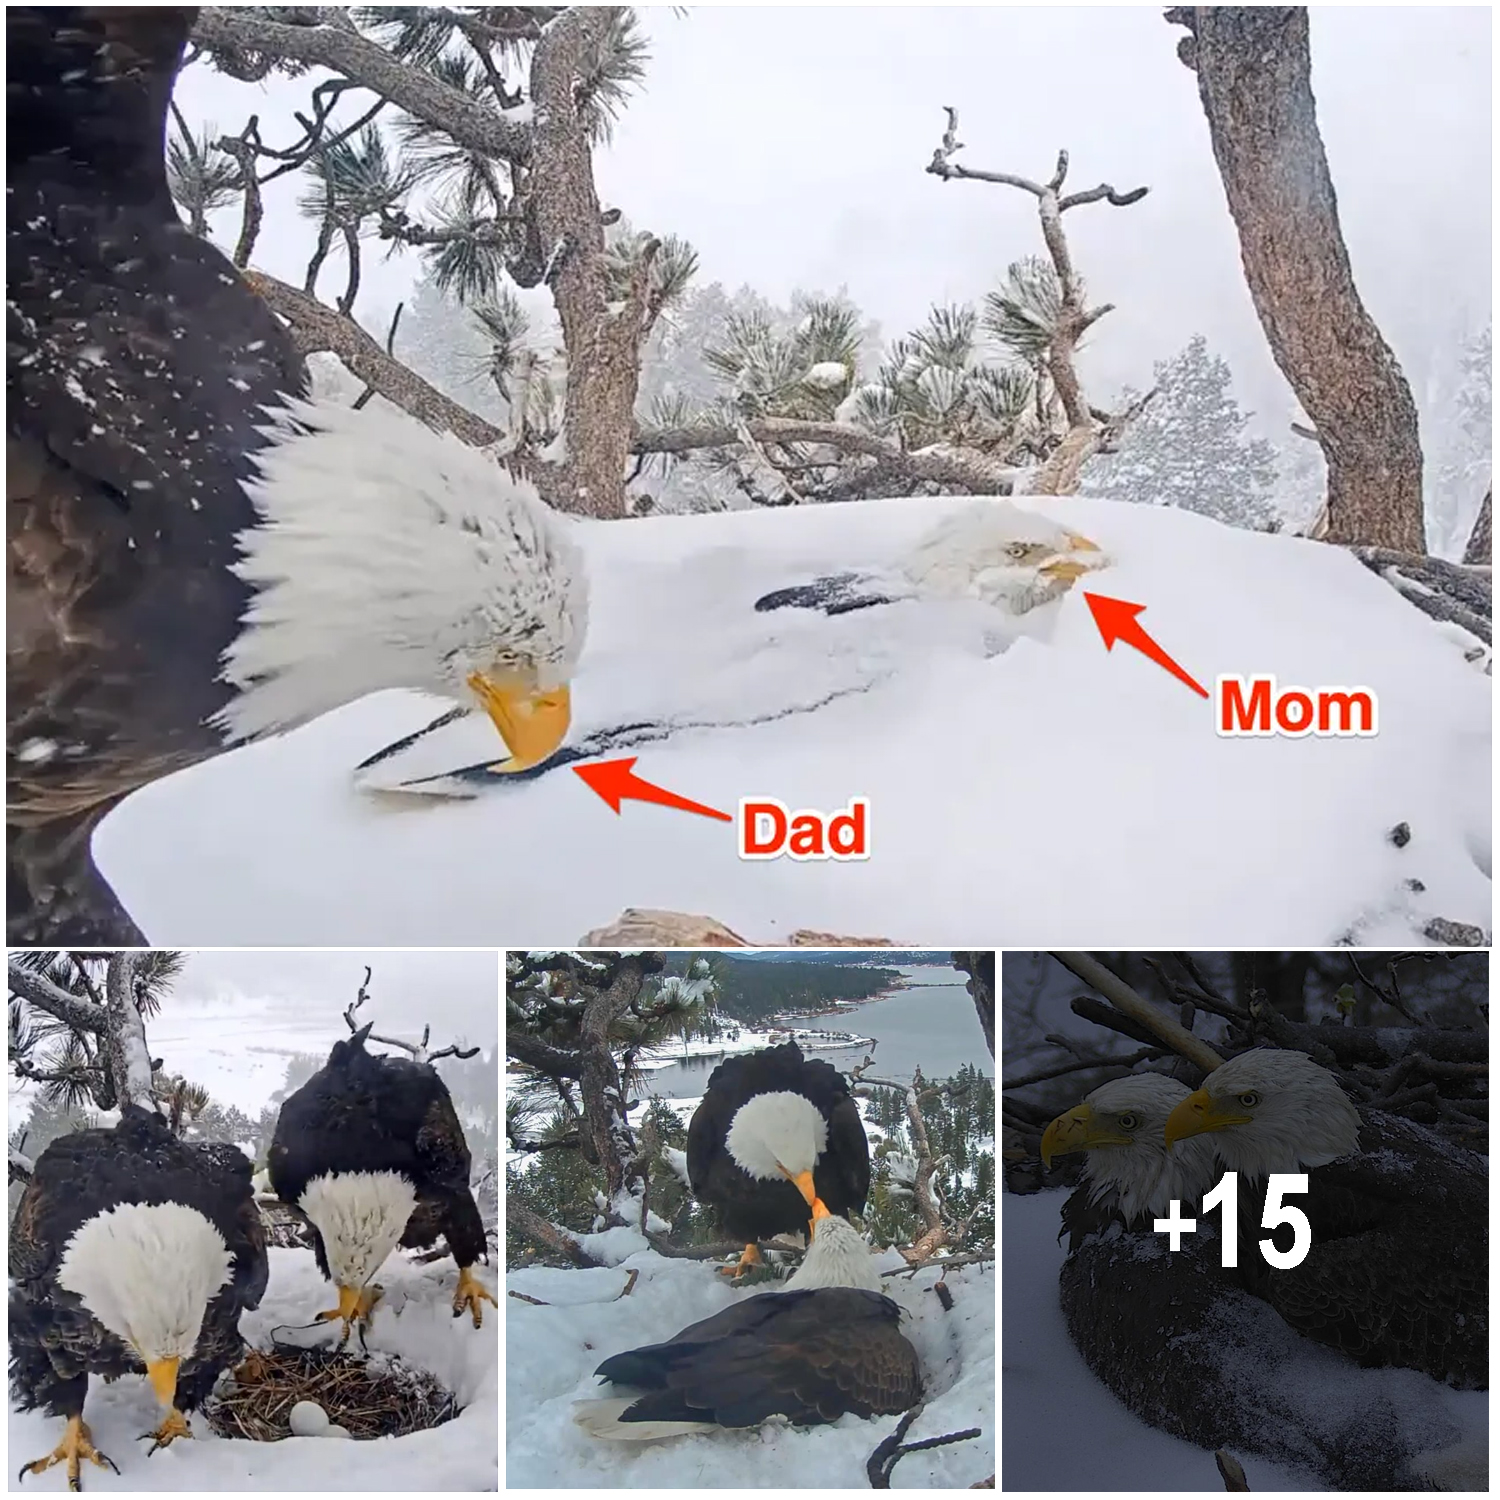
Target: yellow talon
x,y
77,1444
174,1425
749,1256
471,1297
355,1306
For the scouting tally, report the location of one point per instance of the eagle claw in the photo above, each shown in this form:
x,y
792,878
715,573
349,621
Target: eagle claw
x,y
77,1444
470,1297
174,1425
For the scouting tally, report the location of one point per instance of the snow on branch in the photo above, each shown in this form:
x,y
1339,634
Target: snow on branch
x,y
914,1175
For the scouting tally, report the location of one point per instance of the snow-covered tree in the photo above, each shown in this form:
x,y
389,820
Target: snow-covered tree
x,y
1189,448
1458,433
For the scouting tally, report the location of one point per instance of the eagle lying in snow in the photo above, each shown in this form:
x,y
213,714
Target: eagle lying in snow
x,y
830,1343
370,1152
1200,1350
185,571
130,1251
1016,560
1398,1273
774,1133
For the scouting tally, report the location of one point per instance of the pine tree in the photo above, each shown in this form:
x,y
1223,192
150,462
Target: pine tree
x,y
1188,448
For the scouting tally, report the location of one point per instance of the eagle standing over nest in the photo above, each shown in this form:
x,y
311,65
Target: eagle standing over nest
x,y
775,1134
195,555
372,1154
131,1251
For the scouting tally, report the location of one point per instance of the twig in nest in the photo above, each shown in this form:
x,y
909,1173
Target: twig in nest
x,y
629,1286
892,1450
534,1301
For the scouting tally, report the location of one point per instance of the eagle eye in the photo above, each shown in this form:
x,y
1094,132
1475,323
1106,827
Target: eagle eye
x,y
1017,549
1250,1100
1128,1122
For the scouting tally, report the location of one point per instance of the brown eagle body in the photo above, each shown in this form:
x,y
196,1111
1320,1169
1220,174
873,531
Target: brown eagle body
x,y
138,366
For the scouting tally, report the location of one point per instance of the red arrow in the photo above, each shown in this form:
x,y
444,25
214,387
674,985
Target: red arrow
x,y
616,783
1116,619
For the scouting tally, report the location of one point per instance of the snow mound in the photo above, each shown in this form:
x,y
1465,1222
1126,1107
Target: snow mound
x,y
1025,785
552,1352
414,1323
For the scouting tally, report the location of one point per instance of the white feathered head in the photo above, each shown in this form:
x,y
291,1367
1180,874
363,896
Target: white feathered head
x,y
1269,1110
388,555
1121,1127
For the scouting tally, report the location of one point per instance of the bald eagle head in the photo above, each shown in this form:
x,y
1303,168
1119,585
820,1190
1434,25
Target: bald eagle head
x,y
838,1256
1268,1110
388,555
147,1272
1012,558
1120,1126
779,1134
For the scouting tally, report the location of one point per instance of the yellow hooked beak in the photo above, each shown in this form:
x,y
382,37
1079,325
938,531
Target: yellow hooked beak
x,y
1078,1130
1068,568
820,1210
531,724
803,1182
1199,1112
162,1373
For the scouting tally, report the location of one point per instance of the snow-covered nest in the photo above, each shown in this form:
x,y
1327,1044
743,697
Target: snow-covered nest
x,y
1026,794
1103,1446
552,1352
413,1323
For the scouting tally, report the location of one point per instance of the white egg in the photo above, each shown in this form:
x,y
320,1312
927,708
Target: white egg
x,y
308,1419
335,1431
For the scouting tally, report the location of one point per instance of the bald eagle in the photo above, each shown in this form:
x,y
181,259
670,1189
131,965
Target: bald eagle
x,y
774,1133
1398,1272
370,1152
1130,1176
1016,560
196,556
130,1252
1182,1342
829,1344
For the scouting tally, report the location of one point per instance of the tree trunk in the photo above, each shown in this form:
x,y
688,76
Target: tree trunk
x,y
606,1128
602,337
1480,547
1254,78
980,967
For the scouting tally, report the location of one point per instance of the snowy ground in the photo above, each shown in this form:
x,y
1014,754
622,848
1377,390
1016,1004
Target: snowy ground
x,y
551,1353
415,1321
1066,1431
1027,794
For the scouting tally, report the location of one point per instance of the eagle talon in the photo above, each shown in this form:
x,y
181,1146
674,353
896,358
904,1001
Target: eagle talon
x,y
354,1308
77,1444
749,1258
174,1425
471,1297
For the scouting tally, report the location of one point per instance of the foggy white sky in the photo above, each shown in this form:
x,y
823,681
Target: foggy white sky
x,y
457,993
788,144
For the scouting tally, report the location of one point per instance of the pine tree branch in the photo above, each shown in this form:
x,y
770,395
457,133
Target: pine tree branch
x,y
365,63
318,328
943,464
40,991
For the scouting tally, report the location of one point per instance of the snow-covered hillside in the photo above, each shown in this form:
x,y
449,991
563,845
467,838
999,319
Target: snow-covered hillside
x,y
552,1351
414,1321
1025,794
